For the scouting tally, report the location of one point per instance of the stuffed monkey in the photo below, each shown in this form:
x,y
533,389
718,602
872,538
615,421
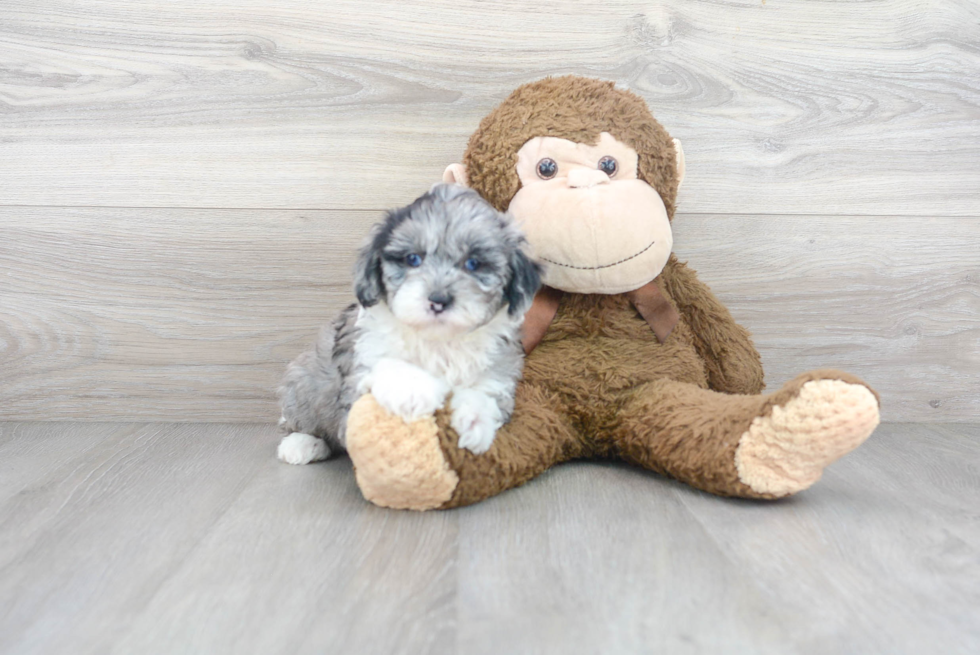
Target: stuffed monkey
x,y
629,355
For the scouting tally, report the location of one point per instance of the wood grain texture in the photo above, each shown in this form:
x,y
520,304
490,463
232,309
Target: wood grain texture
x,y
88,544
191,315
876,558
601,558
164,315
29,451
193,538
897,541
893,300
303,564
790,106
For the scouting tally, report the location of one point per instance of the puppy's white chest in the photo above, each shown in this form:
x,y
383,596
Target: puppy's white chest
x,y
459,362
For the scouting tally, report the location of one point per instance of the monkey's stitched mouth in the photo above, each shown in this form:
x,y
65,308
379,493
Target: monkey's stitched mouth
x,y
596,268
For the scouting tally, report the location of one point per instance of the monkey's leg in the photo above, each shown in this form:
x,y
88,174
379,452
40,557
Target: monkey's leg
x,y
419,466
764,446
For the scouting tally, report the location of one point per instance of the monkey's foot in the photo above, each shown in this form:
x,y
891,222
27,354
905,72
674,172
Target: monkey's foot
x,y
397,464
786,451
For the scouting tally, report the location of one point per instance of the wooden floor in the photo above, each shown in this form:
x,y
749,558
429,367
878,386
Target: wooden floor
x,y
182,538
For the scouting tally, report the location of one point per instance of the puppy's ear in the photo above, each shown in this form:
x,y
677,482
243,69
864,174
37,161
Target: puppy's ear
x,y
525,280
368,283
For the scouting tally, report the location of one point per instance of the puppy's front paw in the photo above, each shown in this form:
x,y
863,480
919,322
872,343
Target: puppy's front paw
x,y
476,418
406,390
300,448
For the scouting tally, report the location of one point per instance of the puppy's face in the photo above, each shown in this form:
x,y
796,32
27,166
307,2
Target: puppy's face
x,y
446,264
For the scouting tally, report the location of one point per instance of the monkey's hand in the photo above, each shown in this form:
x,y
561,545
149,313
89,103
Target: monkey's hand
x,y
733,364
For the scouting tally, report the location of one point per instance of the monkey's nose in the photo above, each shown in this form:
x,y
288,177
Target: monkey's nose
x,y
439,301
583,178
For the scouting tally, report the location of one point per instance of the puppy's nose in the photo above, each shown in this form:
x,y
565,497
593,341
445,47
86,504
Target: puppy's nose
x,y
439,301
583,178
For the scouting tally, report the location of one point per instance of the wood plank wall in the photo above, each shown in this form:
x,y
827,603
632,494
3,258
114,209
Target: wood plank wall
x,y
182,184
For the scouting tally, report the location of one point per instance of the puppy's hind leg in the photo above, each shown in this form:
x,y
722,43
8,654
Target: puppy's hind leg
x,y
301,448
313,414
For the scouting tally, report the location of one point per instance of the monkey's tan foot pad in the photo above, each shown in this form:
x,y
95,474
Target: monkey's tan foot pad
x,y
397,464
786,451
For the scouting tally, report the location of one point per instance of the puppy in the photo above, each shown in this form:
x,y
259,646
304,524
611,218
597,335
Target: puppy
x,y
442,287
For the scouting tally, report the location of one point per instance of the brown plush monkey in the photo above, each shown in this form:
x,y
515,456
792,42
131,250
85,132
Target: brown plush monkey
x,y
629,355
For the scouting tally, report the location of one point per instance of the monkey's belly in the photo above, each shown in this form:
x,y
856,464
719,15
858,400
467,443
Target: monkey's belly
x,y
599,371
591,377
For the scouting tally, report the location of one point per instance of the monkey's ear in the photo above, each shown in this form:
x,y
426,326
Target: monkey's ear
x,y
679,149
455,174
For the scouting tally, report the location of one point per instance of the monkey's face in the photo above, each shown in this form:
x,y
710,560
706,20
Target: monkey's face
x,y
586,214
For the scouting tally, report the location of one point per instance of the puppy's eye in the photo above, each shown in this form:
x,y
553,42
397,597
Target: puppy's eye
x,y
413,260
547,168
472,264
608,166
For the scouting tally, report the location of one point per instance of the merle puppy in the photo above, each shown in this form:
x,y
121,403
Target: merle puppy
x,y
442,287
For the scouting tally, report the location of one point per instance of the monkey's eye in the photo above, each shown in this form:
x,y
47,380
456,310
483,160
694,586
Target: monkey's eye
x,y
547,168
413,260
608,166
471,264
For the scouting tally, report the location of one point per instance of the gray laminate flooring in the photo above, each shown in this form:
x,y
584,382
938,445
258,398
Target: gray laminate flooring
x,y
191,538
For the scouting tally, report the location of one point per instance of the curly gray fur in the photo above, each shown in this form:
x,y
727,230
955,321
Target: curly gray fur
x,y
447,226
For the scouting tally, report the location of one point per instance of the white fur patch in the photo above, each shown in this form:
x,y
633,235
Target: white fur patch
x,y
406,390
300,448
460,361
410,373
476,418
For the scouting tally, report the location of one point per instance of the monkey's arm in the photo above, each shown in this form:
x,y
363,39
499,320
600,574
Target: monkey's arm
x,y
732,362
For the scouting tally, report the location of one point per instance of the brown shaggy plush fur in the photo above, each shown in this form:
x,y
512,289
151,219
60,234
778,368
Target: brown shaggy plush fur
x,y
573,108
599,383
